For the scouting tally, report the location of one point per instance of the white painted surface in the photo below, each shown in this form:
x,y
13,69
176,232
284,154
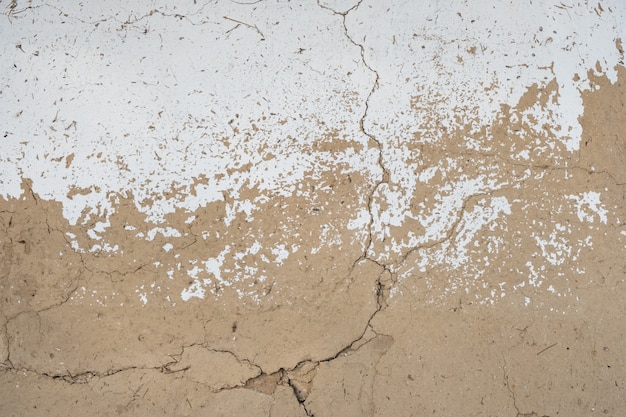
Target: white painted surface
x,y
142,98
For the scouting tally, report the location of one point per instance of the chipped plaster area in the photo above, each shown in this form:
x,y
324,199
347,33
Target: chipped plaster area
x,y
312,208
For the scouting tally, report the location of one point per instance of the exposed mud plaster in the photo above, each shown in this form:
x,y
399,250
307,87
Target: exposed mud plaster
x,y
312,208
218,370
39,268
139,392
348,382
602,148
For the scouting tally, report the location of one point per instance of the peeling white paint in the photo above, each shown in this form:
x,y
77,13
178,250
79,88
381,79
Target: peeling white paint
x,y
87,81
164,231
106,102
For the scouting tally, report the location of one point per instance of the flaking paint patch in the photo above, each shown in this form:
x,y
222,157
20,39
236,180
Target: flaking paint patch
x,y
218,141
180,174
588,205
193,127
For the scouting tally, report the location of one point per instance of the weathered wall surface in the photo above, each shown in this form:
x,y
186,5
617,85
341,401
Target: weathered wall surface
x,y
312,208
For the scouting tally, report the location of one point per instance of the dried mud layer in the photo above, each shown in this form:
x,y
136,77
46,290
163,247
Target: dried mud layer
x,y
299,208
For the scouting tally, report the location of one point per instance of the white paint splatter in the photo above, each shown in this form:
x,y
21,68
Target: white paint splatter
x,y
588,204
281,253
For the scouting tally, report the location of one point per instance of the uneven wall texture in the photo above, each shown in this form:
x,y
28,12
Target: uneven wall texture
x,y
300,208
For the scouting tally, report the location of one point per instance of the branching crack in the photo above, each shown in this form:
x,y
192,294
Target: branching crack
x,y
385,173
450,233
287,376
300,377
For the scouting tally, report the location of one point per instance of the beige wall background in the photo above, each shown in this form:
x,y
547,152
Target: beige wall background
x,y
300,208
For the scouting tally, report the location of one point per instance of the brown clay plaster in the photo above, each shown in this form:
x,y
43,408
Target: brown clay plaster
x,y
313,209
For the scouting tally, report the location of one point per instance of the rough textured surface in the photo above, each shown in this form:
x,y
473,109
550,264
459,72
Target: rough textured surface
x,y
312,209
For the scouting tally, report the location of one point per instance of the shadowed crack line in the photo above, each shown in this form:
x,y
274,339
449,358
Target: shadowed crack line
x,y
6,361
385,173
368,244
84,377
508,386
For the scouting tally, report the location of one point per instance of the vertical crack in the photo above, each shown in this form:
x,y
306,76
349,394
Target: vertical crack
x,y
385,173
385,177
6,360
508,387
297,393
